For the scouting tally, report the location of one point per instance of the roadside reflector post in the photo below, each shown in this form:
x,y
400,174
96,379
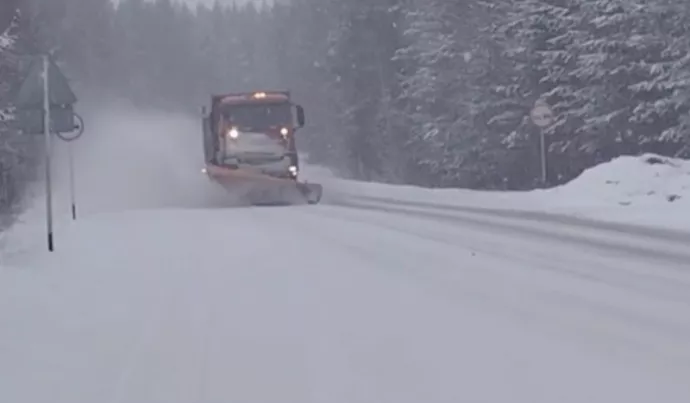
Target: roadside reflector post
x,y
72,191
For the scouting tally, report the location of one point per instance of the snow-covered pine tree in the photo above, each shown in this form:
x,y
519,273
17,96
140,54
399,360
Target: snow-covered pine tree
x,y
676,77
360,62
17,152
535,38
428,46
625,65
300,51
447,63
85,43
10,14
8,63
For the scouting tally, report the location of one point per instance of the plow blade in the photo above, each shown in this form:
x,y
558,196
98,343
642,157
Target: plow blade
x,y
277,193
284,193
312,192
257,189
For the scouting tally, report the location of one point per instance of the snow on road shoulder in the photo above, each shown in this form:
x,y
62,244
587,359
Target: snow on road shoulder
x,y
647,190
630,180
461,197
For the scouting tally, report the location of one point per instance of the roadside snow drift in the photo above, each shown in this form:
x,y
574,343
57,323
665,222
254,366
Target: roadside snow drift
x,y
647,180
648,190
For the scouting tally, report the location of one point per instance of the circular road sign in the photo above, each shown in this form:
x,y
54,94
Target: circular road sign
x,y
541,114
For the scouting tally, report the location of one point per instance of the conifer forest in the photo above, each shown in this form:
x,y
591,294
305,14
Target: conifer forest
x,y
435,93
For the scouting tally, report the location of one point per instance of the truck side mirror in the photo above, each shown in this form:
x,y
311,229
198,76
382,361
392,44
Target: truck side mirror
x,y
300,115
203,111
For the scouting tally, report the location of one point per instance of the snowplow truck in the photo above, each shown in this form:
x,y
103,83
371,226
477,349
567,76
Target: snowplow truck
x,y
250,148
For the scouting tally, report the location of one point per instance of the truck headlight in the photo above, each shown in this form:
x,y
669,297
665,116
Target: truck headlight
x,y
233,133
284,131
293,170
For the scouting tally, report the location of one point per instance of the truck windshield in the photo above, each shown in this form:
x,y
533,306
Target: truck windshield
x,y
258,116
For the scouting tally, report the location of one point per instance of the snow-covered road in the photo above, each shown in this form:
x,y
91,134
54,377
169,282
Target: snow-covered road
x,y
151,297
340,304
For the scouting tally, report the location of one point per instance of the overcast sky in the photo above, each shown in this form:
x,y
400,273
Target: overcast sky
x,y
209,1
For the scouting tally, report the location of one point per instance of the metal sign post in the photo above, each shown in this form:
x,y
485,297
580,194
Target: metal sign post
x,y
46,133
542,116
72,193
70,161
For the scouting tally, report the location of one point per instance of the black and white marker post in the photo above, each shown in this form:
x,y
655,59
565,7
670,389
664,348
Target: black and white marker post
x,y
72,192
48,145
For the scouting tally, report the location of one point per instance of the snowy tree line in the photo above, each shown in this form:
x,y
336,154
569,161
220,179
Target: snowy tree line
x,y
17,153
430,92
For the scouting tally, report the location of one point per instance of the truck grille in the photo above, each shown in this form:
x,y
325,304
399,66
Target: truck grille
x,y
256,159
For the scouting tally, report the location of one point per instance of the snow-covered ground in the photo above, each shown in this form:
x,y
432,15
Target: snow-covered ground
x,y
152,296
322,304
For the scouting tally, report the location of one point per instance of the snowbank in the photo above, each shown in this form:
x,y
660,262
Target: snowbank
x,y
647,180
647,189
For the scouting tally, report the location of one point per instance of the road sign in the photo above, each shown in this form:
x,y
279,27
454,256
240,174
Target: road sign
x,y
30,94
30,121
541,114
29,99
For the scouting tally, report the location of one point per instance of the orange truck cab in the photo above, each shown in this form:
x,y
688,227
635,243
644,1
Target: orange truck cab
x,y
249,144
253,133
